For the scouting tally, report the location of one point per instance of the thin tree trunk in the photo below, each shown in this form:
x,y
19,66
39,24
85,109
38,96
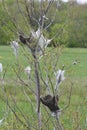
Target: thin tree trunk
x,y
36,67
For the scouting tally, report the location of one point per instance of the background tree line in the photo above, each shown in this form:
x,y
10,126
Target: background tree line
x,y
70,25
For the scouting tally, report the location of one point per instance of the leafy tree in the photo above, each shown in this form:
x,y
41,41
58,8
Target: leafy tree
x,y
5,31
77,26
62,35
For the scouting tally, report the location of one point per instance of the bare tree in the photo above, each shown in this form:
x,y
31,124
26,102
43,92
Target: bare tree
x,y
31,20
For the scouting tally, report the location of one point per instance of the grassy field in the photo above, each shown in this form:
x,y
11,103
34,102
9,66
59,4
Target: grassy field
x,y
74,117
7,58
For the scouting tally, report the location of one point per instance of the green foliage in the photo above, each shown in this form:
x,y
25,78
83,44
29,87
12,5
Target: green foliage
x,y
6,35
5,27
62,34
70,23
74,32
77,26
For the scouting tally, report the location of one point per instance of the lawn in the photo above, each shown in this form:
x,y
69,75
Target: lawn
x,y
74,117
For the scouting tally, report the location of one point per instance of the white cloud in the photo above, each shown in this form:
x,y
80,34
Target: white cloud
x,y
82,1
65,0
79,1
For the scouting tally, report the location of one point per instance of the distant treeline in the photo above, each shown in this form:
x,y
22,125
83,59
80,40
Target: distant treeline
x,y
70,25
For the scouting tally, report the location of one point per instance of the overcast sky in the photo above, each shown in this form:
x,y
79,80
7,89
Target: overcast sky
x,y
79,1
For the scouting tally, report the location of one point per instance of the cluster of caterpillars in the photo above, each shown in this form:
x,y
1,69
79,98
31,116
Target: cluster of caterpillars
x,y
51,102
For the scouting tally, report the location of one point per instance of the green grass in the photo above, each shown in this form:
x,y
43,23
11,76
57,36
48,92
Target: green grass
x,y
80,55
76,77
68,56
